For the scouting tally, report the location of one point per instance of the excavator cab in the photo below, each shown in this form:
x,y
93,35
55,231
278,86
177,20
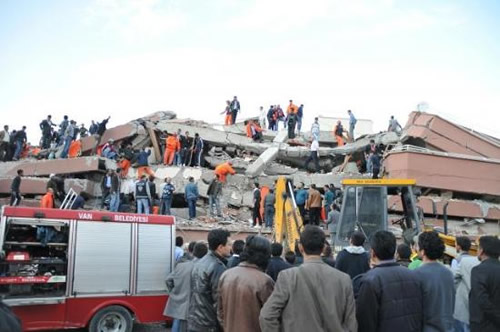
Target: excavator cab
x,y
364,208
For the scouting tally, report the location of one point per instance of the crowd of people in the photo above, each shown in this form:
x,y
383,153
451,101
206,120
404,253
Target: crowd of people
x,y
251,286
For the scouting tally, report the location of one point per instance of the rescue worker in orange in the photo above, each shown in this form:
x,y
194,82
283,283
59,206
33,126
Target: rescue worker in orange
x,y
254,131
223,169
292,108
173,145
48,199
229,116
338,132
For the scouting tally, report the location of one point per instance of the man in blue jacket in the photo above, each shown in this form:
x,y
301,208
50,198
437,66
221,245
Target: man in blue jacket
x,y
390,297
191,195
301,198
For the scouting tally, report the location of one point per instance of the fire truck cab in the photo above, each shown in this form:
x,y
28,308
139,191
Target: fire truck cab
x,y
64,269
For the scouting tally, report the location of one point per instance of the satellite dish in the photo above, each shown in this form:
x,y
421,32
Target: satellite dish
x,y
422,107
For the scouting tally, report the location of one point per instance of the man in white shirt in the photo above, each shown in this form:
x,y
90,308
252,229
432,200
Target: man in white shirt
x,y
314,155
262,117
4,142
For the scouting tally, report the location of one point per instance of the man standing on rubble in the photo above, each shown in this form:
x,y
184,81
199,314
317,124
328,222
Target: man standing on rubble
x,y
114,204
4,143
15,191
300,115
178,153
313,156
224,169
205,277
271,120
269,211
20,140
186,143
301,198
101,129
213,192
262,117
167,196
352,125
62,129
315,129
172,147
394,125
191,195
338,132
142,195
93,128
313,205
235,108
257,218
292,120
46,127
68,138
198,150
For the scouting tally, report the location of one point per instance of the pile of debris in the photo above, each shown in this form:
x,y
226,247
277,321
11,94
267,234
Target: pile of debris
x,y
450,163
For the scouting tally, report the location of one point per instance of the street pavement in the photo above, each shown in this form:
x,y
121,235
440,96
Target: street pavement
x,y
137,328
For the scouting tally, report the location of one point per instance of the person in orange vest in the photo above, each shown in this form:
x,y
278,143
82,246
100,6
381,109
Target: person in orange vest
x,y
338,131
292,108
172,147
223,169
48,199
254,131
229,115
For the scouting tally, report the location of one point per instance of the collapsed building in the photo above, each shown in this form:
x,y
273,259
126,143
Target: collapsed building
x,y
457,169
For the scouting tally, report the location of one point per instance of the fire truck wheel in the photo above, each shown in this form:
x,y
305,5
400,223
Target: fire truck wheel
x,y
114,318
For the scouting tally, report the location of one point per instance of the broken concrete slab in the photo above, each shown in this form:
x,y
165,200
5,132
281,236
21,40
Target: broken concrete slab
x,y
38,186
385,138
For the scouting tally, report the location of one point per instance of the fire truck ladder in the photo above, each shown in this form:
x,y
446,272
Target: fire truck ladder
x,y
69,200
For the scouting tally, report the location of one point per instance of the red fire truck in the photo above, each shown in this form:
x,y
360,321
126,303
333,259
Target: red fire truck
x,y
70,269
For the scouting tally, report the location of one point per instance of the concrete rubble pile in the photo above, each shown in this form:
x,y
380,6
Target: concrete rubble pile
x,y
450,163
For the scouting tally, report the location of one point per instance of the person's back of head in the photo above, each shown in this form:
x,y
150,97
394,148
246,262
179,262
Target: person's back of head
x,y
383,245
191,246
431,245
276,249
238,246
257,251
464,243
200,249
358,239
489,247
179,241
290,257
217,237
312,240
327,250
404,251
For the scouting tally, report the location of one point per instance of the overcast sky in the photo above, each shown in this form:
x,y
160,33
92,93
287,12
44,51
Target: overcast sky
x,y
91,59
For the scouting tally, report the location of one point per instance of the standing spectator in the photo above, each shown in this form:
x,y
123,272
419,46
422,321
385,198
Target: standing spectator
x,y
280,116
247,283
214,191
329,197
298,304
114,204
101,129
167,196
290,257
186,143
332,222
20,139
352,125
276,264
462,268
269,211
271,119
394,125
313,156
47,201
485,287
235,108
291,122
229,115
262,117
4,143
178,252
237,249
83,131
62,127
315,129
300,115
178,153
142,195
369,151
375,162
152,189
224,169
403,254
313,205
179,289
106,184
12,146
437,284
301,196
15,191
202,314
172,147
198,149
390,297
191,195
354,260
67,139
46,127
93,128
257,218
292,108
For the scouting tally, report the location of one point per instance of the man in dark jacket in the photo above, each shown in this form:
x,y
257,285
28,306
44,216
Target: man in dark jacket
x,y
202,315
214,191
15,191
237,249
354,259
57,184
191,195
276,264
390,298
46,127
20,139
235,108
484,305
257,218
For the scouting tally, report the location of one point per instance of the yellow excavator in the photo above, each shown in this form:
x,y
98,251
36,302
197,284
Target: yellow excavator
x,y
287,219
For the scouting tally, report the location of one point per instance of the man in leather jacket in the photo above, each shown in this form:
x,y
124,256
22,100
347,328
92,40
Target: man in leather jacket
x,y
205,282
